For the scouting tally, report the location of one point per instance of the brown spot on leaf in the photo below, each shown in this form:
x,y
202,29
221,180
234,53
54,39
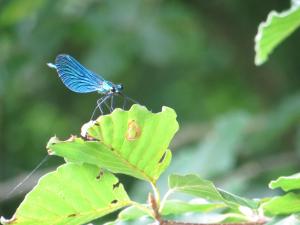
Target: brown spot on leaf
x,y
114,201
89,138
72,137
50,152
133,131
72,215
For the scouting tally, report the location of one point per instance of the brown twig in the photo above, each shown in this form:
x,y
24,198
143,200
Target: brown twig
x,y
154,206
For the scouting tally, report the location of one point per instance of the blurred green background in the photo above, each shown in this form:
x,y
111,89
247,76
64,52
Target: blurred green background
x,y
239,123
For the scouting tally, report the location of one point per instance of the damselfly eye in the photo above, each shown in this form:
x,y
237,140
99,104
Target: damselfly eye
x,y
119,87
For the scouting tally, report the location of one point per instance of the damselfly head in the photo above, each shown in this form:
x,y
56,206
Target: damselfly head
x,y
116,88
119,87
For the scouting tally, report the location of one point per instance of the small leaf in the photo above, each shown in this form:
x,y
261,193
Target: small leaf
x,y
283,205
194,185
176,207
290,220
70,195
130,213
274,30
133,142
237,200
286,183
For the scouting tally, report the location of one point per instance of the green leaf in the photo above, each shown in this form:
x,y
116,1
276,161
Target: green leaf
x,y
70,195
286,183
194,185
290,220
130,213
283,205
133,142
274,30
235,200
176,207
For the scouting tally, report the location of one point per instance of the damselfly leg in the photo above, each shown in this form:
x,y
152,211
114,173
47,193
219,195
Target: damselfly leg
x,y
104,100
100,102
112,105
126,99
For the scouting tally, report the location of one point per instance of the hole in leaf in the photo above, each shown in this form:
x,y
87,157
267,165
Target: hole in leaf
x,y
72,137
133,131
114,201
101,173
116,185
162,158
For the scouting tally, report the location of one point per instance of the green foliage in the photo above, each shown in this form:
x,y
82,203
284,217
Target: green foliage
x,y
287,183
130,213
274,30
290,220
171,207
220,138
283,205
70,195
135,143
131,142
288,203
177,207
194,185
240,125
17,10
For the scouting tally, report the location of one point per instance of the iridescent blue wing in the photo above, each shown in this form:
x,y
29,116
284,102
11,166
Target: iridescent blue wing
x,y
75,76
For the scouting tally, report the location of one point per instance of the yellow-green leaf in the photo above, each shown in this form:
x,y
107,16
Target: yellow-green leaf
x,y
133,142
282,205
194,185
274,30
70,195
286,183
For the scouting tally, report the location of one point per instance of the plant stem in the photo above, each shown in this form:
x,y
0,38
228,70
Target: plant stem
x,y
164,199
156,194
